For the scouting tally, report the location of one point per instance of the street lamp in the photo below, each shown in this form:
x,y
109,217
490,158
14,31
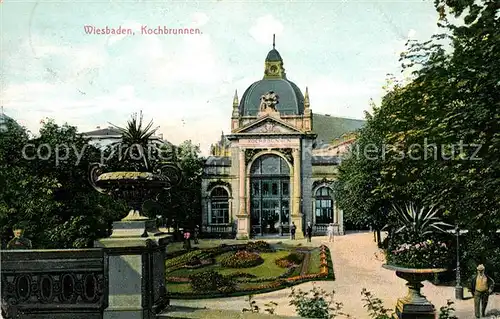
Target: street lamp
x,y
459,290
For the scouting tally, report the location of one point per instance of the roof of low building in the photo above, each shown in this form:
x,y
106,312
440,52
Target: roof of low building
x,y
325,160
330,128
104,131
218,161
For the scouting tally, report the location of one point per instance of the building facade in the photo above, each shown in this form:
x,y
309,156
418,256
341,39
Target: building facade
x,y
278,164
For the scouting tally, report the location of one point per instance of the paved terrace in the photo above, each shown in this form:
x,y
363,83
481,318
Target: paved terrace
x,y
357,265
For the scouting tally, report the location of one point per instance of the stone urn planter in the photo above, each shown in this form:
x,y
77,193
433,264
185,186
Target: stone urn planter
x,y
414,305
136,248
134,187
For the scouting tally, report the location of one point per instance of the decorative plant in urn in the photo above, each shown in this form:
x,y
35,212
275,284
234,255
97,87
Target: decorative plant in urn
x,y
417,249
137,169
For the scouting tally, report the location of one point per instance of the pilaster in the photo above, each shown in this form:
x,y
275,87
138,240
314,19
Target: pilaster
x,y
297,193
243,218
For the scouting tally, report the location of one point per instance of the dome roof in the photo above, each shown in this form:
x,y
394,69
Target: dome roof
x,y
291,99
274,56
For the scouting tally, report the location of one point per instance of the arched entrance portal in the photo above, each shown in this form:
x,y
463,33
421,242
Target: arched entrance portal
x,y
270,195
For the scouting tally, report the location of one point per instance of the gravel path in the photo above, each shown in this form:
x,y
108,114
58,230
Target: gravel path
x,y
305,263
357,264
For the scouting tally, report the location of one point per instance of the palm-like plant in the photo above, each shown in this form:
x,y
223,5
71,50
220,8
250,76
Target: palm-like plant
x,y
418,222
135,140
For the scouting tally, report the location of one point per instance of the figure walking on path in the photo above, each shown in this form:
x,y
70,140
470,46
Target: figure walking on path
x,y
309,231
481,286
329,232
293,229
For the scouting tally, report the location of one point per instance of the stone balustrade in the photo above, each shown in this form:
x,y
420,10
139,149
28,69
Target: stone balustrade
x,y
70,283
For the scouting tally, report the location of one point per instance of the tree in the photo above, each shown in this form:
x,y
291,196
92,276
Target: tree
x,y
182,206
439,130
45,190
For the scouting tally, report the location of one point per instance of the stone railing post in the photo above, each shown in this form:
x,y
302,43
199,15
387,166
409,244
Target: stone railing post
x,y
135,254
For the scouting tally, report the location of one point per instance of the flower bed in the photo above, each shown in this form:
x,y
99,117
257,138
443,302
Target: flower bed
x,y
424,254
292,260
259,246
241,259
223,282
208,281
186,258
198,263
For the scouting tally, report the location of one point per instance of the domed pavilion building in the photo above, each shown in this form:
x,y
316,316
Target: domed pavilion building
x,y
5,121
278,165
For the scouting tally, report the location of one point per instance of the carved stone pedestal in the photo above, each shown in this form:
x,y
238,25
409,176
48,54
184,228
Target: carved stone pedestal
x,y
243,227
135,258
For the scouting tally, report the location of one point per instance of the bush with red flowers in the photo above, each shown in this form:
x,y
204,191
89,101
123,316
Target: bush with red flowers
x,y
292,260
241,259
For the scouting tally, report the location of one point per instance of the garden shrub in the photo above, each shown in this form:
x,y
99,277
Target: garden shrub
x,y
241,259
209,281
259,246
185,258
316,303
291,260
241,275
195,261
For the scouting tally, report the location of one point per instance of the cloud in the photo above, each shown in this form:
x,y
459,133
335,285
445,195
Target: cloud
x,y
411,34
194,61
199,19
328,87
264,28
340,98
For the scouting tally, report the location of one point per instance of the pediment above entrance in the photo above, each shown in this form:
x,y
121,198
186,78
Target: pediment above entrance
x,y
268,125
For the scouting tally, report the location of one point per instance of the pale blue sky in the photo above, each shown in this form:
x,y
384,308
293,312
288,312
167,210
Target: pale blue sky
x,y
341,50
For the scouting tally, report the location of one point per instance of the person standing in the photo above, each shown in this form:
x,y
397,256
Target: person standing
x,y
187,240
293,229
196,234
329,232
481,286
309,231
19,242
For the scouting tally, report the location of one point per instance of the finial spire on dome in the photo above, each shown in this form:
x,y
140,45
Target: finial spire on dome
x,y
306,97
235,99
274,40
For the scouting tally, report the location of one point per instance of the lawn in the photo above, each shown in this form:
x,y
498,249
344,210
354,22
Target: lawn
x,y
267,269
210,266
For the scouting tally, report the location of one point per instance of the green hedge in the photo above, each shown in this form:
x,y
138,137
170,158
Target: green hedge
x,y
209,281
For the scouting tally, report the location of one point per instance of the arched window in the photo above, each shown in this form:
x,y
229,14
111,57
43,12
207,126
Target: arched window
x,y
324,205
270,164
219,206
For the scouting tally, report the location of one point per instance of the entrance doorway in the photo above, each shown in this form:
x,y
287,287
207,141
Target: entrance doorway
x,y
270,195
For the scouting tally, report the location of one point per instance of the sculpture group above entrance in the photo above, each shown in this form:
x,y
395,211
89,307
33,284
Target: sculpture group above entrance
x,y
268,102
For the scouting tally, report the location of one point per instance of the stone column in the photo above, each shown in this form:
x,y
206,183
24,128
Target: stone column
x,y
243,218
297,194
